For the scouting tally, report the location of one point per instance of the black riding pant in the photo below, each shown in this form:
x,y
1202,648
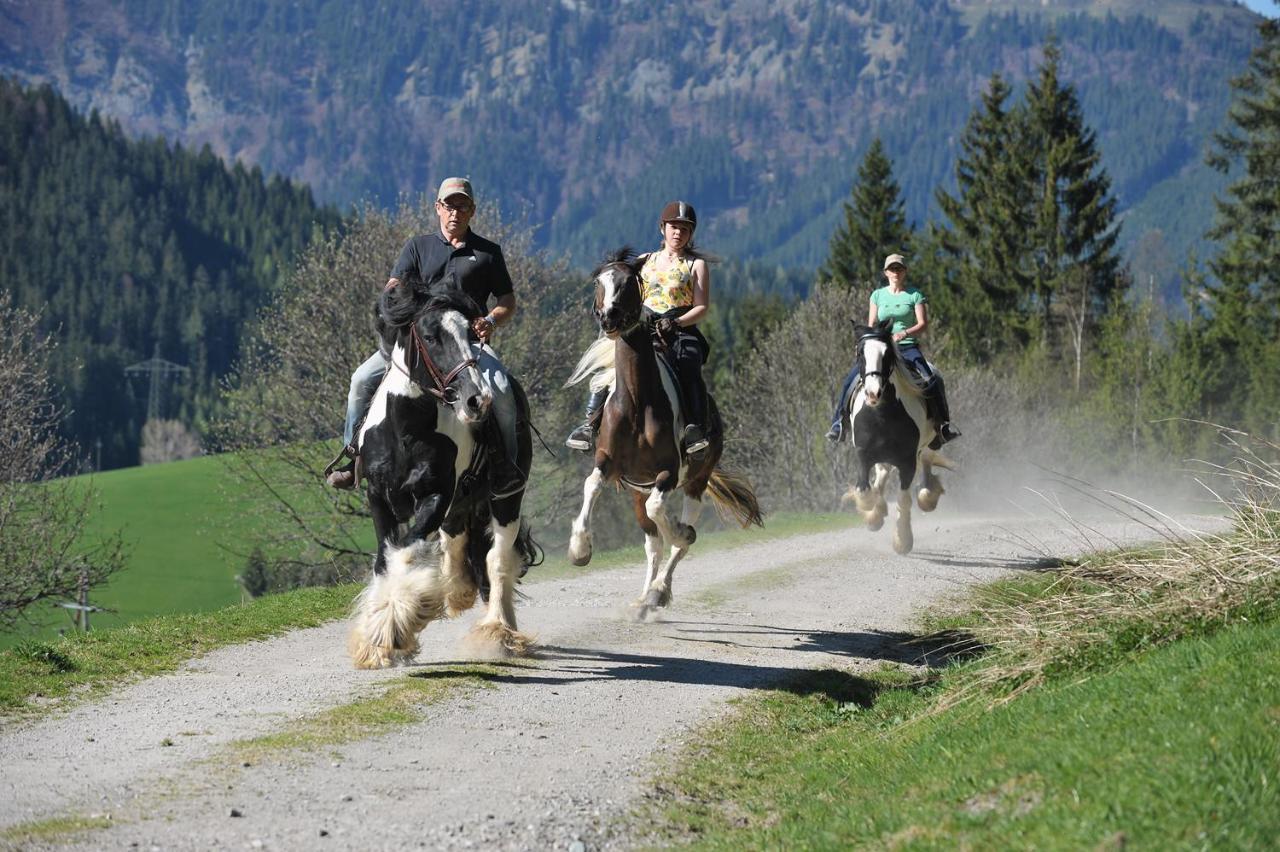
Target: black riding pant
x,y
687,353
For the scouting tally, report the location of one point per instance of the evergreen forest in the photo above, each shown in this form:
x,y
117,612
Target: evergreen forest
x,y
128,249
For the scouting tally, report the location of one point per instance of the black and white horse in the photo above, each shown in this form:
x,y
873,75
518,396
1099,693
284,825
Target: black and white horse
x,y
418,446
890,430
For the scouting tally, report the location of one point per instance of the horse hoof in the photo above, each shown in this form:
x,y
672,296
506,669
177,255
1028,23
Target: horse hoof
x,y
580,549
902,548
691,537
874,524
496,641
653,600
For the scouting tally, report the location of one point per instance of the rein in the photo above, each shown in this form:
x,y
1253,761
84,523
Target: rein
x,y
442,381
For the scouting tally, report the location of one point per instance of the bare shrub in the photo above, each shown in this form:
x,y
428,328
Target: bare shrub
x,y
44,552
779,405
166,441
288,395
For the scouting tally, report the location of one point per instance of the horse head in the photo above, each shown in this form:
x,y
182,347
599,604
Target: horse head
x,y
429,332
617,299
876,358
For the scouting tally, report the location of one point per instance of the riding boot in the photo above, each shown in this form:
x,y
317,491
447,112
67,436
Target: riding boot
x,y
505,477
343,478
694,438
582,437
937,409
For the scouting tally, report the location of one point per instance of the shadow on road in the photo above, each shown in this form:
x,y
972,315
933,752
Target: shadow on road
x,y
564,665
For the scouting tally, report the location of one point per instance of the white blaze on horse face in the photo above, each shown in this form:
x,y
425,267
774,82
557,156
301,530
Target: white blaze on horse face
x,y
456,341
610,282
873,352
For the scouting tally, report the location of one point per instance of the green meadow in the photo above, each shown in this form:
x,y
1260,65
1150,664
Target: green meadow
x,y
183,532
187,536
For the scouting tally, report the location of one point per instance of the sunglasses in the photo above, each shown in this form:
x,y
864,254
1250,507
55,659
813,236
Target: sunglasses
x,y
464,207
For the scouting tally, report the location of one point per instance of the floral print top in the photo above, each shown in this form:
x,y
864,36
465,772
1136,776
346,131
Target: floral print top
x,y
662,290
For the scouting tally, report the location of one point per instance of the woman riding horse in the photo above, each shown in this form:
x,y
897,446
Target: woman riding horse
x,y
906,306
638,444
676,291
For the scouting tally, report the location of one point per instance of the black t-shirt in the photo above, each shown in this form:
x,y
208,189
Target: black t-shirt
x,y
478,267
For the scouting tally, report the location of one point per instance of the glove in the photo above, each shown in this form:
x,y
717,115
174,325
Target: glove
x,y
667,329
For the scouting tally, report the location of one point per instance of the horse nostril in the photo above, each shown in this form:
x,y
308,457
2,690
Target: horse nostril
x,y
474,402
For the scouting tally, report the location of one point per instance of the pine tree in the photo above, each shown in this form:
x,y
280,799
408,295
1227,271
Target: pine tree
x,y
875,224
1073,230
1242,307
989,220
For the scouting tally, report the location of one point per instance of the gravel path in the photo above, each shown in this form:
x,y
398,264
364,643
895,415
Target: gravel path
x,y
548,756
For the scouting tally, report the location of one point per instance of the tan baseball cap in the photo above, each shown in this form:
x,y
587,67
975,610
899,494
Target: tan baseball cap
x,y
454,186
894,258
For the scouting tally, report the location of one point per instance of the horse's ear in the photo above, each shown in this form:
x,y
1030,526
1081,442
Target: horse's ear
x,y
860,330
884,326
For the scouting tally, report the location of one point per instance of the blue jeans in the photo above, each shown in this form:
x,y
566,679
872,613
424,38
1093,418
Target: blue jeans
x,y
912,357
364,384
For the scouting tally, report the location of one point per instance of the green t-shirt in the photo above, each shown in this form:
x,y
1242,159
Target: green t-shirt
x,y
899,307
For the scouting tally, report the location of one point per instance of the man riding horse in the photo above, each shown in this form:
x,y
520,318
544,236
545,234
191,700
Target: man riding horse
x,y
676,291
458,256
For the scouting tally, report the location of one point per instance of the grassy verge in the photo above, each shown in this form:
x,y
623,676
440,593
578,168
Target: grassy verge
x,y
57,828
35,671
1133,698
400,703
1179,748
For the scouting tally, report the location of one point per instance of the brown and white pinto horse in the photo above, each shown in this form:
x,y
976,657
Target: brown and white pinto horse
x,y
637,445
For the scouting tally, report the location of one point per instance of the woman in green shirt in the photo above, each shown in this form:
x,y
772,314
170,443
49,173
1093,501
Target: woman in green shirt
x,y
906,307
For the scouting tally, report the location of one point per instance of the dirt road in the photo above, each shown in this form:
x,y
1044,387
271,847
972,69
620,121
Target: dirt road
x,y
547,757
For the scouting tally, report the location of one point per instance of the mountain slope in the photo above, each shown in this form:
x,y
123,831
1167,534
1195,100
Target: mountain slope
x,y
586,117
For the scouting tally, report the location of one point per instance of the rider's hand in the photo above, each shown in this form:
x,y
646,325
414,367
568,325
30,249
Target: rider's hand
x,y
666,328
898,337
483,328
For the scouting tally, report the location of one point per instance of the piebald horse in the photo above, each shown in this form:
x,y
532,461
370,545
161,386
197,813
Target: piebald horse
x,y
637,445
890,430
419,447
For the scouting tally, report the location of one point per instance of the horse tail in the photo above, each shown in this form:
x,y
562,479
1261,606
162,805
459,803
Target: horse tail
x,y
597,360
734,499
388,615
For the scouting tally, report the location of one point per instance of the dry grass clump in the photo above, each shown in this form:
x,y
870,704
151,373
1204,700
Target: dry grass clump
x,y
1115,603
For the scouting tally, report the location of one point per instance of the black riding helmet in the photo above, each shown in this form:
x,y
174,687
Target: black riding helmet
x,y
679,211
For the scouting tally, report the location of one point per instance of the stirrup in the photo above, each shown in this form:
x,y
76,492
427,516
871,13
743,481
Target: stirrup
x,y
580,438
347,451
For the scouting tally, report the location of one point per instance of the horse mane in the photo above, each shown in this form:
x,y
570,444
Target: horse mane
x,y
597,361
624,255
402,304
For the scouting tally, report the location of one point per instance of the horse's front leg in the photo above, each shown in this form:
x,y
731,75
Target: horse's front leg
x,y
460,587
867,492
497,630
404,594
903,540
580,537
659,593
652,549
931,489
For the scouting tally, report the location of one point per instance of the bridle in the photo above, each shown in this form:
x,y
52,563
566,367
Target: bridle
x,y
887,362
628,328
442,381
